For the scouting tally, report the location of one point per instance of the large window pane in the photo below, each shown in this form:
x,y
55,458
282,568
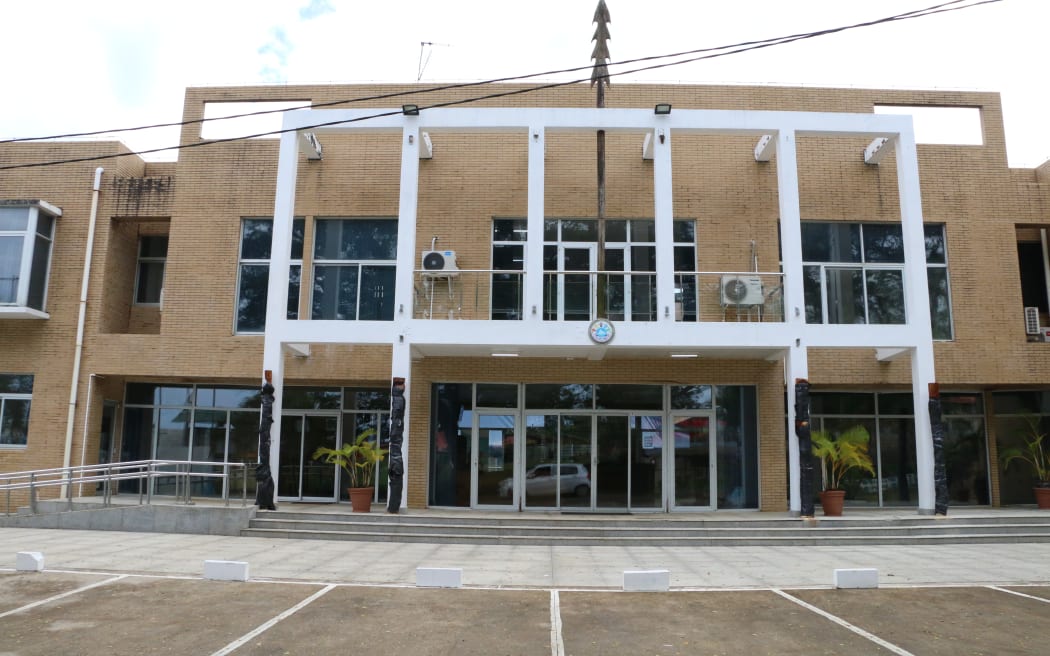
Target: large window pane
x,y
355,239
450,444
377,293
812,294
883,242
737,446
10,267
885,296
629,397
251,301
646,445
38,273
16,383
14,218
559,397
845,295
256,237
897,461
150,282
541,458
335,292
966,460
14,421
940,302
830,242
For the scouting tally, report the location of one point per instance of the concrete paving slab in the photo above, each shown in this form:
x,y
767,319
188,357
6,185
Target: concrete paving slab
x,y
941,621
144,615
688,623
21,588
400,621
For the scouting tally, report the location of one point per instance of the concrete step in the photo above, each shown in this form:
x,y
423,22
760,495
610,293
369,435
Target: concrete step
x,y
655,530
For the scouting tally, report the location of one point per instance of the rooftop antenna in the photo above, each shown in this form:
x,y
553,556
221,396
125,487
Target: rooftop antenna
x,y
428,47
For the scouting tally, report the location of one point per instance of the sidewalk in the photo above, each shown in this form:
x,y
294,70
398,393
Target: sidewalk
x,y
527,566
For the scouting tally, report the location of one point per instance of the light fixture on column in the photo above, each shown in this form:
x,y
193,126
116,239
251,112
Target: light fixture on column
x,y
662,109
413,110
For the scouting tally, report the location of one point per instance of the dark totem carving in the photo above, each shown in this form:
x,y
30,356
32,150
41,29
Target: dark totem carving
x,y
397,438
264,490
805,446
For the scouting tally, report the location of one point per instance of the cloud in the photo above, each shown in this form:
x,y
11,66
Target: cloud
x,y
316,8
275,54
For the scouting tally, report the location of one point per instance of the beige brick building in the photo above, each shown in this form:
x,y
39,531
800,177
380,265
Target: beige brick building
x,y
723,266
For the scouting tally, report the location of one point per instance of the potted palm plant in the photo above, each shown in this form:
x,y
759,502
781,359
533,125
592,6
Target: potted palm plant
x,y
1035,454
359,460
838,455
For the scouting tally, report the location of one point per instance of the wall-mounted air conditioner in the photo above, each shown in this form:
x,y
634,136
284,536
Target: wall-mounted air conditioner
x,y
742,290
1031,321
439,262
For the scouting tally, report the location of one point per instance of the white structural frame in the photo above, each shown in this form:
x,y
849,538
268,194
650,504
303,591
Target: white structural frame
x,y
789,340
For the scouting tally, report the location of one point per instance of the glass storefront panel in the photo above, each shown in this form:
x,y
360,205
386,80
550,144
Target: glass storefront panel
x,y
243,448
541,459
966,460
575,449
613,463
496,435
897,462
736,455
319,477
450,444
692,462
646,446
290,454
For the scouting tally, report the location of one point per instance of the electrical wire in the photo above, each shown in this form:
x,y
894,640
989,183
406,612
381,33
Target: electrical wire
x,y
715,53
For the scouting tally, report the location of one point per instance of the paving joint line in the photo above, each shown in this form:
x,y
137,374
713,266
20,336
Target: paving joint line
x,y
843,623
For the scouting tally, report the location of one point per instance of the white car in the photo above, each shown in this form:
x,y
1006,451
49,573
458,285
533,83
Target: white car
x,y
541,481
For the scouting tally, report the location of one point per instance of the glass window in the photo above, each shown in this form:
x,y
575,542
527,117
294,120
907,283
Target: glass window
x,y
254,274
450,447
349,281
690,397
366,398
311,398
149,281
555,397
497,396
873,290
737,445
15,401
629,397
26,234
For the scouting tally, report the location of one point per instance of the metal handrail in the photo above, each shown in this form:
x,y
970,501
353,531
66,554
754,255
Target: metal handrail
x,y
142,470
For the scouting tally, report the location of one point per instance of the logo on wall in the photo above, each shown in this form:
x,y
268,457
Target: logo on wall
x,y
601,331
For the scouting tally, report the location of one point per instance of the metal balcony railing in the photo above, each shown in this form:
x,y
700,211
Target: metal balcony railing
x,y
700,296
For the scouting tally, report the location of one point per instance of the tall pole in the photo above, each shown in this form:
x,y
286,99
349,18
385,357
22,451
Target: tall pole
x,y
600,78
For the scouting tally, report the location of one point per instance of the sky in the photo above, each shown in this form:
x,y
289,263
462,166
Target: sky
x,y
75,66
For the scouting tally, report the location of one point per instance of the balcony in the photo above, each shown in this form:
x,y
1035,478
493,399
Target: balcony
x,y
499,295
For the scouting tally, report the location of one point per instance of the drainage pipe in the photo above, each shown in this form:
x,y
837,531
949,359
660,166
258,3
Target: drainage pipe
x,y
68,452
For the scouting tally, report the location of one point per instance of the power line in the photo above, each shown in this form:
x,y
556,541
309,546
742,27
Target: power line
x,y
714,53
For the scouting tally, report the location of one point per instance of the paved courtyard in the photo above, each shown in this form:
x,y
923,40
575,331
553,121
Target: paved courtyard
x,y
135,593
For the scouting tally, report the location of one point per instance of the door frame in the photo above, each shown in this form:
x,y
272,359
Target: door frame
x,y
338,443
669,460
516,454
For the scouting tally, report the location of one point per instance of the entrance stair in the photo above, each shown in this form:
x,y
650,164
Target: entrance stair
x,y
862,527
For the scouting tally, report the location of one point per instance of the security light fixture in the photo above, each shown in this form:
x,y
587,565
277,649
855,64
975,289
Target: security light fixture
x,y
413,110
662,109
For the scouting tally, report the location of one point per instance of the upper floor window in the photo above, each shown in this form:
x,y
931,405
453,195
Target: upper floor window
x,y
253,276
26,233
149,279
16,395
354,269
854,273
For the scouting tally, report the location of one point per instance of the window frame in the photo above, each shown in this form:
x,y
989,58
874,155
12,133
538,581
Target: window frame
x,y
294,262
6,396
141,259
30,235
358,263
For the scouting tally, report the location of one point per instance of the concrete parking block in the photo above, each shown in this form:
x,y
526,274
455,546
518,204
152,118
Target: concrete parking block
x,y
647,580
857,578
225,570
29,561
439,577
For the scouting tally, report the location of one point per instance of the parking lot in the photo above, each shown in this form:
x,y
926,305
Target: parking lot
x,y
55,612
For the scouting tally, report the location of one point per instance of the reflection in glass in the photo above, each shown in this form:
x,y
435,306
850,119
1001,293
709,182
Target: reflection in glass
x,y
541,457
646,461
692,461
495,459
845,295
575,448
611,478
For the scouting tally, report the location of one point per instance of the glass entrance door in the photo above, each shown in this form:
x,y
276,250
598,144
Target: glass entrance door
x,y
494,457
569,296
301,478
693,462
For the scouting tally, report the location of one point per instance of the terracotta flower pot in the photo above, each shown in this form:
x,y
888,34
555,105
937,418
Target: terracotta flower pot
x,y
832,502
361,499
1042,497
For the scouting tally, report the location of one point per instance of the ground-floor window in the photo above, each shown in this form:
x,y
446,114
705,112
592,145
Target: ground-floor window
x,y
889,419
220,424
16,396
1019,415
584,447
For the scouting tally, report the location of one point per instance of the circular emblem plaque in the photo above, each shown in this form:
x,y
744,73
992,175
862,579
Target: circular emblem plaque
x,y
601,331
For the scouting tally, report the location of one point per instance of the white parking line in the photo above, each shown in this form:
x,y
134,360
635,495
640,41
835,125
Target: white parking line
x,y
269,623
843,623
557,646
62,596
1019,594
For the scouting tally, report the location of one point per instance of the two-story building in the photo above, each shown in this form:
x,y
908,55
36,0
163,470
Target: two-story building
x,y
643,360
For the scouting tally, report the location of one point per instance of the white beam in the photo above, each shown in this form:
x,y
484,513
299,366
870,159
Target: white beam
x,y
426,147
766,148
878,149
309,146
890,354
647,146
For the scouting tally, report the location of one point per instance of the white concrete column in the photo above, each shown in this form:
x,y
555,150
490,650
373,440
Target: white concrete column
x,y
277,291
406,227
533,299
917,309
663,212
796,363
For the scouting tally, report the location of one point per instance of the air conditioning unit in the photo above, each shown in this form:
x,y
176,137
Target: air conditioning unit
x,y
1031,321
439,262
742,290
